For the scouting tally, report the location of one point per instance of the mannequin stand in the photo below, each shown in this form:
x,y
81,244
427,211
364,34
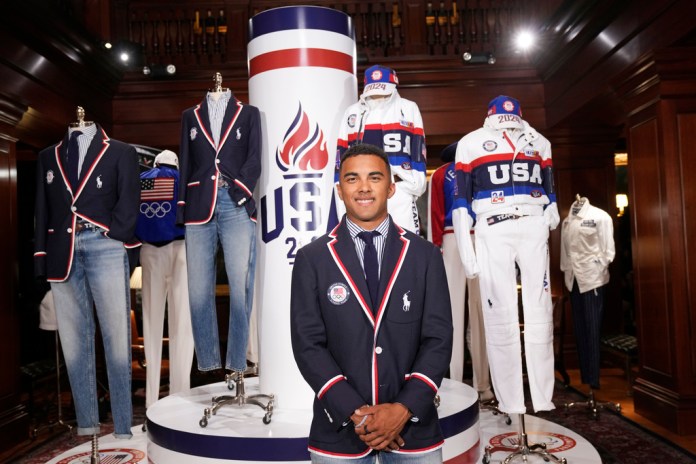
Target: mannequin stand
x,y
524,449
94,457
593,406
492,405
59,420
239,398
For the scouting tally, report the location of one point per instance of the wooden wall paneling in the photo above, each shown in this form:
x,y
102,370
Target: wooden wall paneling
x,y
14,420
580,63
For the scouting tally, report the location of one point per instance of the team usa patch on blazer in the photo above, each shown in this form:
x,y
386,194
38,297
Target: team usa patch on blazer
x,y
338,293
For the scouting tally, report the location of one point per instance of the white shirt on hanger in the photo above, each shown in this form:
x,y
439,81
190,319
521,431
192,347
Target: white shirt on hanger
x,y
587,246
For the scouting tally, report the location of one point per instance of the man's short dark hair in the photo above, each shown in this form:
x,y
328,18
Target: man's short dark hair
x,y
366,149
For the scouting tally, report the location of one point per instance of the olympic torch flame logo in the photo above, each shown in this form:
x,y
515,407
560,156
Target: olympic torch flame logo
x,y
302,148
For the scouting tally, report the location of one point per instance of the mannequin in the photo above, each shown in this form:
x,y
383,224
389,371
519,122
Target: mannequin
x,y
219,164
86,209
163,261
383,118
441,233
587,249
505,188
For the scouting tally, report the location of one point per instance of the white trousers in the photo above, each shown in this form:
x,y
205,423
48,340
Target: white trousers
x,y
476,336
165,282
498,247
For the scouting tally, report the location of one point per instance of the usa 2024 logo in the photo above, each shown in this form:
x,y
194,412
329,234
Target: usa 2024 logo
x,y
296,204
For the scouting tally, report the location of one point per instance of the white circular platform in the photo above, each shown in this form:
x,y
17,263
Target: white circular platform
x,y
238,434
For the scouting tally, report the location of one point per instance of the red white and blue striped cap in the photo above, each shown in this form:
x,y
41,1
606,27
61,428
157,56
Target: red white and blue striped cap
x,y
379,80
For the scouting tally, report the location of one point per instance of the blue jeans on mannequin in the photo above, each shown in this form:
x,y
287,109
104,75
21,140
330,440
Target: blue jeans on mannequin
x,y
232,228
99,277
432,457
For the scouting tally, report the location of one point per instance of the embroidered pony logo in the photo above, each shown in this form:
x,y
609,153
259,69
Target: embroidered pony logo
x,y
99,182
239,134
407,302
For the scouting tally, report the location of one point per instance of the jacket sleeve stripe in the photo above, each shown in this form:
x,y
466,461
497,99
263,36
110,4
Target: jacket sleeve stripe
x,y
423,378
329,384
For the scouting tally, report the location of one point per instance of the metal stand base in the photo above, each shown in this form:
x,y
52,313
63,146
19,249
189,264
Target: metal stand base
x,y
525,449
59,420
239,398
94,457
492,406
593,406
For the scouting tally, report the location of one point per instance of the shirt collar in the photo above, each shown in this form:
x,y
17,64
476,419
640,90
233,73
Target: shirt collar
x,y
355,229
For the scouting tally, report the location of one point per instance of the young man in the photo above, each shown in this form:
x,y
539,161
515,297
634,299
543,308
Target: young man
x,y
371,326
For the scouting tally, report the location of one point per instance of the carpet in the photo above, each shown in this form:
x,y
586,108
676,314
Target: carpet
x,y
617,439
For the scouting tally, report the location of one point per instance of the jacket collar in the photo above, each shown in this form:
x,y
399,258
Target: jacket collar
x,y
95,151
342,249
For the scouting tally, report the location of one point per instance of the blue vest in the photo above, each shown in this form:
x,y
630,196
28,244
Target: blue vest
x,y
158,196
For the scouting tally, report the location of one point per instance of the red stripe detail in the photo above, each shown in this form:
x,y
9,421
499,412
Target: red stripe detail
x,y
497,158
425,380
395,126
328,386
546,163
86,175
330,453
421,450
462,167
244,187
40,253
351,282
202,127
297,57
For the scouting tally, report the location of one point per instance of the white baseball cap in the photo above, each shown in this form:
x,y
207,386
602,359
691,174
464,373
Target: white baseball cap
x,y
167,157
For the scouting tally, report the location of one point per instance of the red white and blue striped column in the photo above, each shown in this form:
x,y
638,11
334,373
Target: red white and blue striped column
x,y
302,71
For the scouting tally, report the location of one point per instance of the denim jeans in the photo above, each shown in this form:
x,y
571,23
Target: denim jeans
x,y
232,228
99,277
432,457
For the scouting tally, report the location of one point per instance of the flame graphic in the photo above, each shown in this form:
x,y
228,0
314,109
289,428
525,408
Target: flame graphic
x,y
300,149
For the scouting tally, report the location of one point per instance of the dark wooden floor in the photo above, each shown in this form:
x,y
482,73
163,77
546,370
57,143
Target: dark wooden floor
x,y
614,388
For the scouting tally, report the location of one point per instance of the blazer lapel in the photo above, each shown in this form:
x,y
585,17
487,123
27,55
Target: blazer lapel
x,y
395,250
342,249
234,107
61,154
201,112
97,148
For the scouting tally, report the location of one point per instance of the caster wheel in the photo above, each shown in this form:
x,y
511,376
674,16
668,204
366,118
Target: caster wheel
x,y
508,420
267,419
203,422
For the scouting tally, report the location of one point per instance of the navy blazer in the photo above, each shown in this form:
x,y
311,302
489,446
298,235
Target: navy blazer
x,y
108,195
351,357
237,157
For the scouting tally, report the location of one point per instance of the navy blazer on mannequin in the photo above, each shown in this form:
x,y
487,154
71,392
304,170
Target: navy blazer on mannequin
x,y
351,357
108,195
237,158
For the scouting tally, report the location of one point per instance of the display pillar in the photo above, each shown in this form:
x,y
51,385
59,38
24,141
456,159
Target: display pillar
x,y
302,77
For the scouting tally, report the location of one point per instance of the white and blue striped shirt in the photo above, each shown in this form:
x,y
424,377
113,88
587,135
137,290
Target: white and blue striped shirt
x,y
83,142
216,113
378,240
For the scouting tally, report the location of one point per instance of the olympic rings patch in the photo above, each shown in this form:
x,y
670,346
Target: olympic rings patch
x,y
155,209
338,293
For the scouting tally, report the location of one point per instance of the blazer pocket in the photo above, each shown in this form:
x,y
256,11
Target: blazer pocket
x,y
193,184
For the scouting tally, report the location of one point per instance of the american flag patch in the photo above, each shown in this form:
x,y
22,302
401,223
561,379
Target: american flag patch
x,y
157,189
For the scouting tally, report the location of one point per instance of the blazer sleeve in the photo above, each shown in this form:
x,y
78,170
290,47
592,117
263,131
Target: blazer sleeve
x,y
124,214
435,350
251,169
184,170
40,222
309,345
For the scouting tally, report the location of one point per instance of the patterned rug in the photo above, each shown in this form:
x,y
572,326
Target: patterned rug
x,y
617,439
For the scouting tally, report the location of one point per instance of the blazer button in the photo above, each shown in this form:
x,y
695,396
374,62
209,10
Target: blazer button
x,y
217,161
212,177
378,350
69,230
73,208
